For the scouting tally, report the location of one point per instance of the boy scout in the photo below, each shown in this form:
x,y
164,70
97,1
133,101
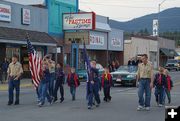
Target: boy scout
x,y
14,73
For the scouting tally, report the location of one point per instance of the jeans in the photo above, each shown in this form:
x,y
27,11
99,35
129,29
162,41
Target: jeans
x,y
168,93
13,84
159,94
144,87
73,91
44,93
94,93
51,84
58,85
38,94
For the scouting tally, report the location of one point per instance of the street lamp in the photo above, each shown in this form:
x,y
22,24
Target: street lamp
x,y
159,10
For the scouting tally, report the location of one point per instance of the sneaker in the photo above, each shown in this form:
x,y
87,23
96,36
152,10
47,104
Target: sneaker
x,y
169,102
73,98
140,108
147,108
61,100
55,99
51,102
105,99
9,103
160,105
16,103
40,104
97,105
89,107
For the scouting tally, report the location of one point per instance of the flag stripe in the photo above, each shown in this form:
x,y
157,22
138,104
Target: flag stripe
x,y
34,64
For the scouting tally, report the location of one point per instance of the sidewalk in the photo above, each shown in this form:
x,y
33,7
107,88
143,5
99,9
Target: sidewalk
x,y
25,83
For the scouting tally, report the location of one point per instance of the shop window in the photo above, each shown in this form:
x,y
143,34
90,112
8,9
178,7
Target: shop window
x,y
10,51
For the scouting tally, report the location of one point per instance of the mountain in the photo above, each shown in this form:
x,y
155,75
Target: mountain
x,y
169,20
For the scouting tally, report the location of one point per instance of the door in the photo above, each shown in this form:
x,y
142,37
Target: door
x,y
74,55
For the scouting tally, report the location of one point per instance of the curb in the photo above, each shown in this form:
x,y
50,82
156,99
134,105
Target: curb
x,y
177,83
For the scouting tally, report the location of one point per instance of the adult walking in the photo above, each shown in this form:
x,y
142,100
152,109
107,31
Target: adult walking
x,y
14,73
144,83
4,68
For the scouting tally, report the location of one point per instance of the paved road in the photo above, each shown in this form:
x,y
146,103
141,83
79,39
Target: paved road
x,y
122,108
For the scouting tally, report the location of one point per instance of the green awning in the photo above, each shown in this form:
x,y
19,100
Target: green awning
x,y
169,52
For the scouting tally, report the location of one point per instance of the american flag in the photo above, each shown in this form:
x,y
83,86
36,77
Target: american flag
x,y
34,63
88,68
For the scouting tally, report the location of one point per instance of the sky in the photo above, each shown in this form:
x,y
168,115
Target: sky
x,y
121,10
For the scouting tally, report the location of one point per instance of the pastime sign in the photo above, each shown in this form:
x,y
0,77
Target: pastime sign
x,y
5,12
26,16
79,21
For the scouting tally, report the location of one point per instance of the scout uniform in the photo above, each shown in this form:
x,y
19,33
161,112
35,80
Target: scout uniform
x,y
14,70
144,72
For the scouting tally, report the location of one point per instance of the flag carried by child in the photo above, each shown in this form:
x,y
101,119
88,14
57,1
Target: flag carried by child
x,y
34,63
88,68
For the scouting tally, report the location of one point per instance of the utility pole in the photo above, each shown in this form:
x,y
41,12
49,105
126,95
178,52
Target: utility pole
x,y
159,10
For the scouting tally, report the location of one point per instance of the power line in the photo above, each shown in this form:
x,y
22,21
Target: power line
x,y
126,6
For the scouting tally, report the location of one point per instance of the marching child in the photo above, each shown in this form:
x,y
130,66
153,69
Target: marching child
x,y
73,82
168,85
43,88
106,84
159,83
59,83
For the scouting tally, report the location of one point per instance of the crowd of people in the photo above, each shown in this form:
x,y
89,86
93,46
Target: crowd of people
x,y
53,79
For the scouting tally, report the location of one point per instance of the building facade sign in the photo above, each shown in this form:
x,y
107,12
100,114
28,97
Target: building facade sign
x,y
26,16
116,41
155,27
96,40
79,21
5,12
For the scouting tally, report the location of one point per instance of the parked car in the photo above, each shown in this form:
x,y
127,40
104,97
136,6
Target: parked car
x,y
125,75
82,73
173,64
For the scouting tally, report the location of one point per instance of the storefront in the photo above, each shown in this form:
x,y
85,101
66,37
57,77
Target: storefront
x,y
15,22
97,48
90,29
15,43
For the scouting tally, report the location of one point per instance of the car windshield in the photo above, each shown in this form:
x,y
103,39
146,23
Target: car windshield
x,y
130,69
172,61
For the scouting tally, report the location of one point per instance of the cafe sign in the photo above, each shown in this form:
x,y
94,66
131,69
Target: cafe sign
x,y
96,40
79,21
116,42
26,16
5,13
